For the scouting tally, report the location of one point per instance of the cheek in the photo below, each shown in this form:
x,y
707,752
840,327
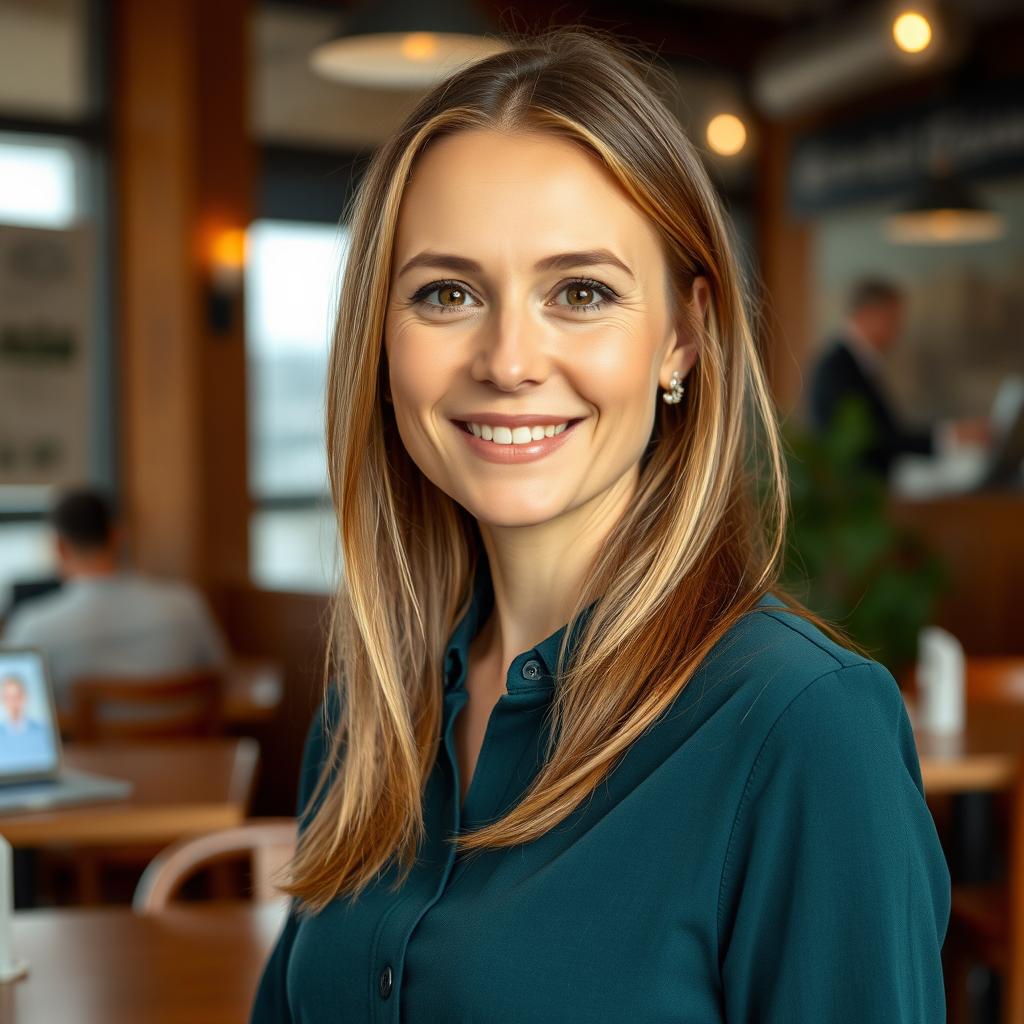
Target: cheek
x,y
617,378
419,373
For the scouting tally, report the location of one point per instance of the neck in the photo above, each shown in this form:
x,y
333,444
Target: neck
x,y
538,571
860,338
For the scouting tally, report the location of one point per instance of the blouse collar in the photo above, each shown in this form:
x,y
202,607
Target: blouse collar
x,y
523,673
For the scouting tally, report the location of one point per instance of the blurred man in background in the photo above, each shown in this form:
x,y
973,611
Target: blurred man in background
x,y
106,619
851,366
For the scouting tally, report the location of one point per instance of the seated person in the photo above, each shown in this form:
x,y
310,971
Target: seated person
x,y
850,366
107,619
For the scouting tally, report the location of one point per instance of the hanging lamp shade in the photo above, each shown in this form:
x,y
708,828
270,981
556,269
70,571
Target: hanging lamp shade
x,y
400,44
944,211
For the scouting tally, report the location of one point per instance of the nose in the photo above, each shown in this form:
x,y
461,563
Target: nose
x,y
511,350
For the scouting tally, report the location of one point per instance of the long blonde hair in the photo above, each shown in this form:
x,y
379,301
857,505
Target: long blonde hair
x,y
699,547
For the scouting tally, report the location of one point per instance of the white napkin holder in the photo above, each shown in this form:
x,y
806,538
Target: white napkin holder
x,y
941,681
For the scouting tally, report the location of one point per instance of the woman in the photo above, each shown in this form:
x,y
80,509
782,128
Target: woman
x,y
577,761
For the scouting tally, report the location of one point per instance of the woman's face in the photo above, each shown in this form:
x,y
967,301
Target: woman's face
x,y
526,283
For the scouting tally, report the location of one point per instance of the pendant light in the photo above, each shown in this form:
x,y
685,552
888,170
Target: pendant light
x,y
403,44
944,211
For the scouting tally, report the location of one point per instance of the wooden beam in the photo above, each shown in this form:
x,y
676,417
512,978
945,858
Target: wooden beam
x,y
784,256
184,171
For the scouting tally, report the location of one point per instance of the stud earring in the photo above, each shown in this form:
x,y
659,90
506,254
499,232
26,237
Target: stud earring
x,y
677,388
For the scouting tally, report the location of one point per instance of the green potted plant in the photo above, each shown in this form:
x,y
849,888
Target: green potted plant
x,y
845,559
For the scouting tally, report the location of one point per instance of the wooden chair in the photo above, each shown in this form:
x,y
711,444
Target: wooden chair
x,y
183,704
987,920
123,708
269,842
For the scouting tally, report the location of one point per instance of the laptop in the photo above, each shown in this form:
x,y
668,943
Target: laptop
x,y
973,470
32,776
1007,456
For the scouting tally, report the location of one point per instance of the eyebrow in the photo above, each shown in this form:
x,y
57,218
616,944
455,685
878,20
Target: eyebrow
x,y
559,261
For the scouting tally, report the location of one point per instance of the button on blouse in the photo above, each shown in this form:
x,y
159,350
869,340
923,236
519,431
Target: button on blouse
x,y
532,669
762,855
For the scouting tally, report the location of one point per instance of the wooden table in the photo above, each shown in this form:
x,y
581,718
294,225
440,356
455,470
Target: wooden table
x,y
983,757
181,787
193,965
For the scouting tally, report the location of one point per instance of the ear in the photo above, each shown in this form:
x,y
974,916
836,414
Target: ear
x,y
685,346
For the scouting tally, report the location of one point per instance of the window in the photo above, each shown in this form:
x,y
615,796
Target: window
x,y
292,272
53,130
45,182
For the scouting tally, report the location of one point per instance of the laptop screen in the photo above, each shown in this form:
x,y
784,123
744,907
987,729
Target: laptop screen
x,y
29,740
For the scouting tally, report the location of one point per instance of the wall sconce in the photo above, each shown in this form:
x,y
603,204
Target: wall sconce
x,y
226,271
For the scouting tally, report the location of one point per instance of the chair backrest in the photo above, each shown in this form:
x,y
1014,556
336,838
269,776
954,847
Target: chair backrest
x,y
182,704
269,842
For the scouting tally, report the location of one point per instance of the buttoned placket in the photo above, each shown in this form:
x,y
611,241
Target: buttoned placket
x,y
512,733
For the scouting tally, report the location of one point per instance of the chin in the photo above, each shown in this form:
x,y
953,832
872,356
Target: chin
x,y
512,513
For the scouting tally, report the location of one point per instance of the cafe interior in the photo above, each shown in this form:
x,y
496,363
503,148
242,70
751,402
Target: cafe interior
x,y
174,185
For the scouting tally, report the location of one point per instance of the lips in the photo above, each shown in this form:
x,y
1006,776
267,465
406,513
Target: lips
x,y
512,425
497,419
511,454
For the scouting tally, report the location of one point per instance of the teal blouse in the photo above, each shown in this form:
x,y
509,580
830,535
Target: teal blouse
x,y
763,855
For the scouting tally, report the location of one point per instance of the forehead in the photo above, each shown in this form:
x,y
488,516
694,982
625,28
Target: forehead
x,y
525,194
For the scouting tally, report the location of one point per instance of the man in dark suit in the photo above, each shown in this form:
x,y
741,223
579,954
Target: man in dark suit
x,y
850,366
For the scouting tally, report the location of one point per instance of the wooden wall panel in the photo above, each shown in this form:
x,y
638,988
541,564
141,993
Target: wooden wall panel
x,y
183,170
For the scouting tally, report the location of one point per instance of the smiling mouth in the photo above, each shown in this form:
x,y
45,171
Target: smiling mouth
x,y
512,436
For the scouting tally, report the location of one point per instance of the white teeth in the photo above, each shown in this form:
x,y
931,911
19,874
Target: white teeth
x,y
517,435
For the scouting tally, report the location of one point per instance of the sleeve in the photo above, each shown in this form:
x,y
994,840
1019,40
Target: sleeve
x,y
270,1005
835,892
943,439
918,442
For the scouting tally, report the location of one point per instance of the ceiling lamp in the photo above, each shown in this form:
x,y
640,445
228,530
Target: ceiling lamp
x,y
401,44
944,212
912,31
726,134
861,51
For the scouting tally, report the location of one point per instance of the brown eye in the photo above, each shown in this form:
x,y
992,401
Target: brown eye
x,y
584,296
451,297
455,295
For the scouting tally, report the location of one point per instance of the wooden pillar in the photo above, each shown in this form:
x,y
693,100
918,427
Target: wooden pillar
x,y
183,173
784,251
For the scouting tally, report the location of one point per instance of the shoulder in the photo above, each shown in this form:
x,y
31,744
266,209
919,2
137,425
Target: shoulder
x,y
809,709
36,617
771,655
171,596
835,357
